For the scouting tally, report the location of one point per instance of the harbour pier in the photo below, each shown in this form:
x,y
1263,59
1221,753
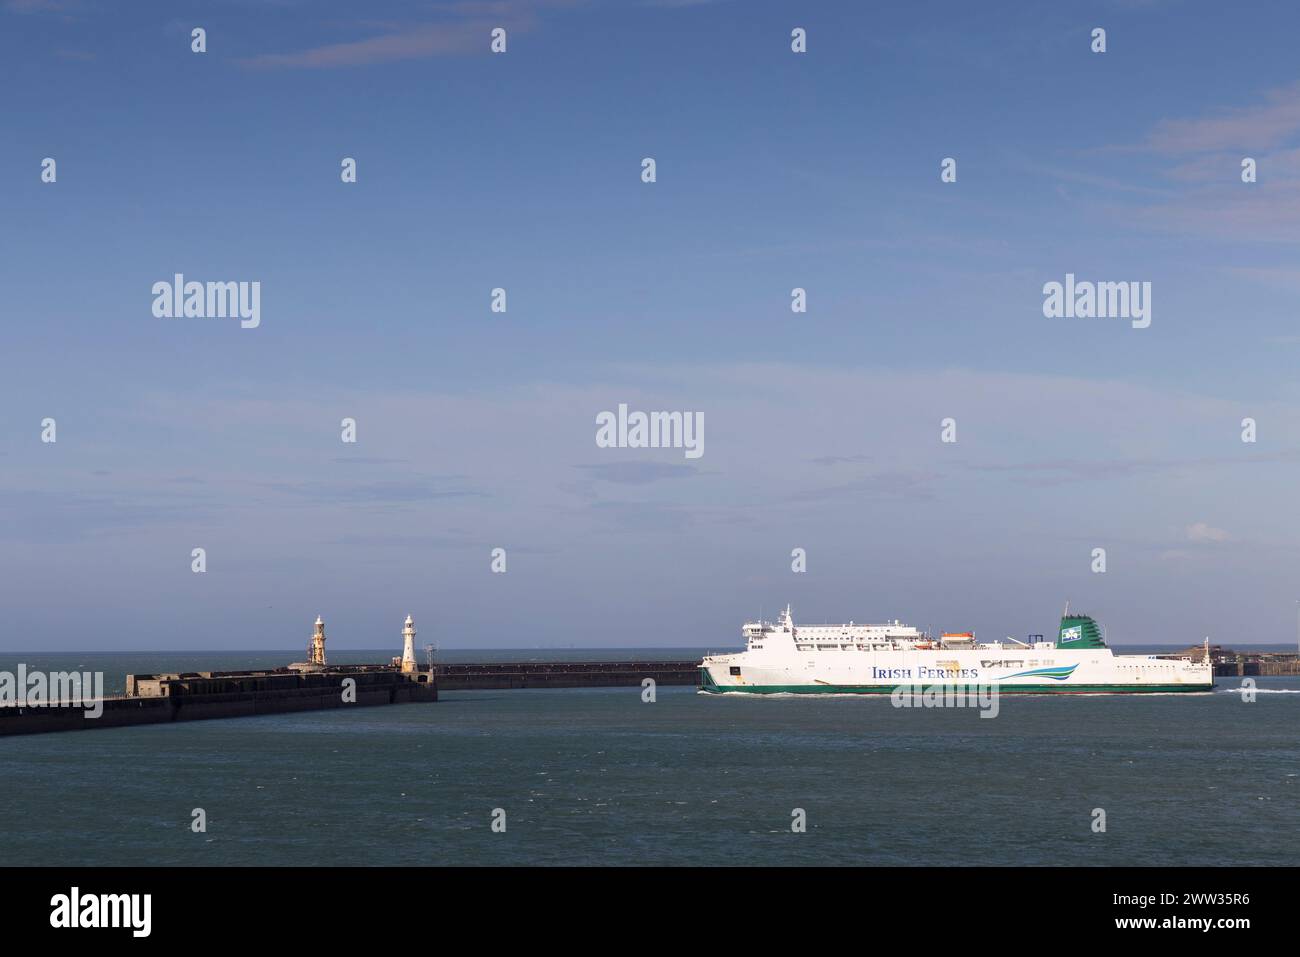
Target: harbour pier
x,y
1240,664
315,685
565,674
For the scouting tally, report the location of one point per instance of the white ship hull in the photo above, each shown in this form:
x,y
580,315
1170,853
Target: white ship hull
x,y
877,659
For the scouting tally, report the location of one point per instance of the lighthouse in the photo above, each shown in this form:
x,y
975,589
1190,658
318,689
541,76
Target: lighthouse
x,y
408,646
317,656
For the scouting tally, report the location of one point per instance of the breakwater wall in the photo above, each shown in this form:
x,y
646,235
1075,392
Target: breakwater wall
x,y
194,696
1229,663
1245,665
565,674
158,699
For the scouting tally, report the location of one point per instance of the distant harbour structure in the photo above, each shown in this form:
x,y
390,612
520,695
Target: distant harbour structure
x,y
315,650
409,664
318,643
315,685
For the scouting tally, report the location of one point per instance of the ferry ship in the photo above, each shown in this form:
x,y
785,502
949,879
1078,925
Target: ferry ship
x,y
782,658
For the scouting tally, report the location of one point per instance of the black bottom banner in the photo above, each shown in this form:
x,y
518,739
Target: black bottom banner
x,y
329,906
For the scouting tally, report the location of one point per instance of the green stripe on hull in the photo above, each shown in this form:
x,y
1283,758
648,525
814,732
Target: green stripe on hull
x,y
713,688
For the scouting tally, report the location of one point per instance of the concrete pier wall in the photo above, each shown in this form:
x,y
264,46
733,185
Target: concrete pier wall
x,y
314,693
568,674
195,696
1247,665
1229,663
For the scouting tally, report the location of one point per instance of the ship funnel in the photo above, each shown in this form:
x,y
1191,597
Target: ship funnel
x,y
1079,631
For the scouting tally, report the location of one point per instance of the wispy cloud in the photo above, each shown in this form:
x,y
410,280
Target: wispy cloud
x,y
375,493
1067,471
638,473
910,485
52,518
464,29
840,459
1254,127
369,460
1194,186
43,6
1287,276
1203,533
443,39
400,541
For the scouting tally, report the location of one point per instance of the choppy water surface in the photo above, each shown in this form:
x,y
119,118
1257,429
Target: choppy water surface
x,y
596,776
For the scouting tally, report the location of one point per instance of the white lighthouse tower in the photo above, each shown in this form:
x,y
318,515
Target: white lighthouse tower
x,y
317,656
315,651
408,646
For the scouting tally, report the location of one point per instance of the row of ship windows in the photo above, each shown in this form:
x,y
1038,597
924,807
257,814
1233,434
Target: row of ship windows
x,y
833,647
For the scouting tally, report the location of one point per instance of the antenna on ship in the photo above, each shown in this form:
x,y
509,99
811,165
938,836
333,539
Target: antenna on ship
x,y
1066,613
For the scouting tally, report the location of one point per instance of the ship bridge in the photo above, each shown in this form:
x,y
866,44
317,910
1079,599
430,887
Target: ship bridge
x,y
890,636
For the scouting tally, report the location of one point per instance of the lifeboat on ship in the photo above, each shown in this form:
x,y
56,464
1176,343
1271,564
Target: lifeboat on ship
x,y
957,639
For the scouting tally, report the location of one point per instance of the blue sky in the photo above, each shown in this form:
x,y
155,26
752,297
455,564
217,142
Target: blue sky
x,y
775,170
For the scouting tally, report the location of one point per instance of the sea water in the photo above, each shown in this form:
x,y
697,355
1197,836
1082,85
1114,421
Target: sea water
x,y
599,776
